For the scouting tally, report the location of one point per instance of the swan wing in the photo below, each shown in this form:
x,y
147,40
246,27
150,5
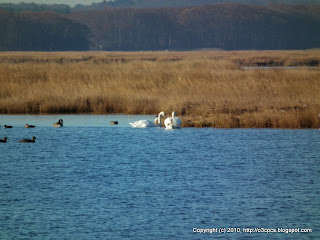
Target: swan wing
x,y
142,124
168,122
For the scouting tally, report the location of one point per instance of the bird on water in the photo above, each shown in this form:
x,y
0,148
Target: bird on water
x,y
4,140
173,122
59,123
147,123
33,140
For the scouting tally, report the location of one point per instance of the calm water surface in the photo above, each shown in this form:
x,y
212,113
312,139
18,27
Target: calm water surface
x,y
93,180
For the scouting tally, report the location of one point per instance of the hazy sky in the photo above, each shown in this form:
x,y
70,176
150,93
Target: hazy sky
x,y
69,2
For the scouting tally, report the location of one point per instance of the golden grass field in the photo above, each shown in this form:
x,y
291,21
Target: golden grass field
x,y
205,88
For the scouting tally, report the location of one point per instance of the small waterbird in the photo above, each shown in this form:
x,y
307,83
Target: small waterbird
x,y
113,122
29,126
4,140
33,140
59,123
6,126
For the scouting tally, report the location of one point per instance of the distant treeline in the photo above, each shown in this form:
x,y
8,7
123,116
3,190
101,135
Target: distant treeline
x,y
219,26
65,8
181,3
33,7
43,31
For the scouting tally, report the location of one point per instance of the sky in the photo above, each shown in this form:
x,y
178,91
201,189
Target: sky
x,y
69,2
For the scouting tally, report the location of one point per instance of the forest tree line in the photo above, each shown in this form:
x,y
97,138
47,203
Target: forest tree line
x,y
217,26
65,8
44,31
181,3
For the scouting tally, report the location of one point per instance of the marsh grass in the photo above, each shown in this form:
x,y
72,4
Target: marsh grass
x,y
208,89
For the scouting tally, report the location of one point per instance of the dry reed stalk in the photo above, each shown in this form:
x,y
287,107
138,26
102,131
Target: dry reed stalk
x,y
209,89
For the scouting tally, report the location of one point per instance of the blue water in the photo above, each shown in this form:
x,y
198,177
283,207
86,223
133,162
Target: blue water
x,y
93,180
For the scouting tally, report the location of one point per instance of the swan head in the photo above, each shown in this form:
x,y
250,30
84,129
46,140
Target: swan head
x,y
162,114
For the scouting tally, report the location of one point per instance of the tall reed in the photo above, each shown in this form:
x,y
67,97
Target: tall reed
x,y
208,89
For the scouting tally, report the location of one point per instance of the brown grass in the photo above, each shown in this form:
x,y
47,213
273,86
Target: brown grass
x,y
208,89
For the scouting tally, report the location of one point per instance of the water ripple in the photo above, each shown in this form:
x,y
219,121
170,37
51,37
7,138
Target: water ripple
x,y
98,182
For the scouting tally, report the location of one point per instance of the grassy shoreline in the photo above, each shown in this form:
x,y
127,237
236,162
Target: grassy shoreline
x,y
205,88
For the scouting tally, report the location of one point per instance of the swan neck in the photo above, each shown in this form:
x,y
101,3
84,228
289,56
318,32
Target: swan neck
x,y
159,119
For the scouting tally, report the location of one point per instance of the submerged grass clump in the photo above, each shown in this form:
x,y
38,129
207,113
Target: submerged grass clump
x,y
207,89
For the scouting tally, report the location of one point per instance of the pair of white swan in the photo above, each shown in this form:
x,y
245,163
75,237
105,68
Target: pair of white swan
x,y
170,123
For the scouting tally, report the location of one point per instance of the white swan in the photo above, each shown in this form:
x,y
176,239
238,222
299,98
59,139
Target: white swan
x,y
173,122
147,123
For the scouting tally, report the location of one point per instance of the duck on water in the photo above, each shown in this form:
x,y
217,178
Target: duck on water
x,y
58,124
4,140
25,140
